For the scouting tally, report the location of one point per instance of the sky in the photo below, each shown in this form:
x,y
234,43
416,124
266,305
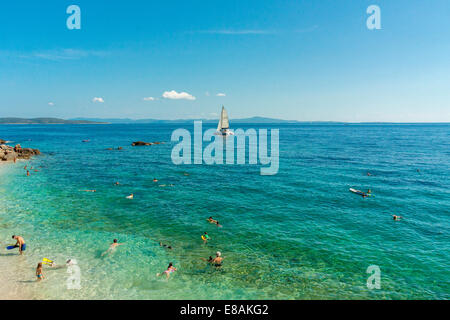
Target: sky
x,y
300,60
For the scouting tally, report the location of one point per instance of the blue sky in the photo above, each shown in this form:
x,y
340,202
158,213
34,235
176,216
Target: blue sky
x,y
304,60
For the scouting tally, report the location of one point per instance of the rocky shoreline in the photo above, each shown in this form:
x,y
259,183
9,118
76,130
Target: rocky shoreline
x,y
9,153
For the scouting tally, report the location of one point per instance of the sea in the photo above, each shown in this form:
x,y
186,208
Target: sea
x,y
297,234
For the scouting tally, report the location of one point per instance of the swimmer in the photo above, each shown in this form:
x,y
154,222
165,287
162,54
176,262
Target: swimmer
x,y
89,190
209,260
205,238
117,183
211,220
165,246
369,174
369,191
170,269
131,196
20,243
217,261
112,247
28,173
39,273
155,180
396,218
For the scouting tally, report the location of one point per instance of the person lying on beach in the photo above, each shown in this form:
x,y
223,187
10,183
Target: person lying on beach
x,y
396,218
170,269
112,247
20,243
39,273
165,246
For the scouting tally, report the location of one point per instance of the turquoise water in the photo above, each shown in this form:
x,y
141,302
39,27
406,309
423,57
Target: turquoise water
x,y
297,235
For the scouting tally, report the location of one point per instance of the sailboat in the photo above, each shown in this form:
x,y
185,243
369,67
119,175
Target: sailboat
x,y
223,128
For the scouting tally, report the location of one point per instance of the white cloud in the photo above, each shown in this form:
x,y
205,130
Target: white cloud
x,y
175,95
51,104
98,99
148,99
221,94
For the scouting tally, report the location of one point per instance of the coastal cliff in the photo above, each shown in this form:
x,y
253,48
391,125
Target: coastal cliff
x,y
8,153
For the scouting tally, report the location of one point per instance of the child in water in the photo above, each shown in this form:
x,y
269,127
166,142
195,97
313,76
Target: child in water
x,y
39,273
170,269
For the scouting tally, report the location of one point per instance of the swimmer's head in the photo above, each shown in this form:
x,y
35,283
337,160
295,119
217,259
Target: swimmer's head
x,y
169,247
170,264
218,253
115,240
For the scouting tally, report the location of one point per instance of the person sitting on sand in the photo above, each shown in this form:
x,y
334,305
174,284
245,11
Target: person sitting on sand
x,y
217,261
131,196
165,246
396,218
170,269
39,273
20,243
112,247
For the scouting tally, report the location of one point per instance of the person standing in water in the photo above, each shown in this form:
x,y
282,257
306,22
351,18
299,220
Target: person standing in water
x,y
205,238
39,273
217,261
20,243
112,247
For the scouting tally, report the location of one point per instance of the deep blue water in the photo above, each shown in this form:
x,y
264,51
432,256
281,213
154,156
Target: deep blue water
x,y
299,234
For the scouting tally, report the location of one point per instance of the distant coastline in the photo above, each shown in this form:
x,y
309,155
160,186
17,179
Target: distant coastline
x,y
253,120
45,121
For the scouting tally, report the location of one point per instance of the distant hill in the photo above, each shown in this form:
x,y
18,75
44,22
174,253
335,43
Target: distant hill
x,y
244,120
45,121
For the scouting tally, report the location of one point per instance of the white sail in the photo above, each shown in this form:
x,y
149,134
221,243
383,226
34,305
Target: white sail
x,y
224,123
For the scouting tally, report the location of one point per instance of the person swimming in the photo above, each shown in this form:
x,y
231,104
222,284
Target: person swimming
x,y
117,183
170,269
209,260
155,180
165,246
39,273
93,190
396,218
112,247
211,220
20,243
131,196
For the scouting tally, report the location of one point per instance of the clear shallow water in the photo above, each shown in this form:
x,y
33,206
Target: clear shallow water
x,y
297,235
